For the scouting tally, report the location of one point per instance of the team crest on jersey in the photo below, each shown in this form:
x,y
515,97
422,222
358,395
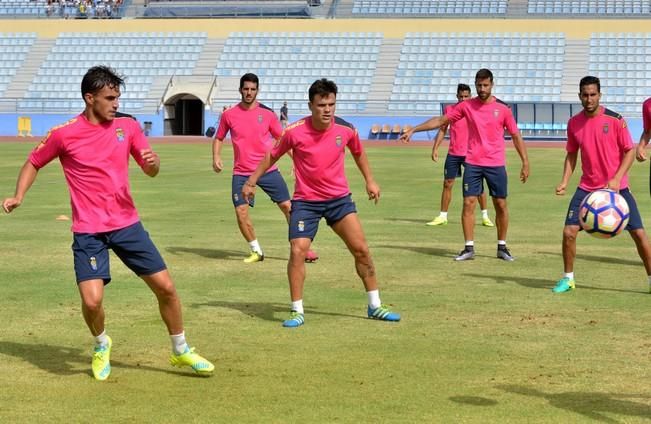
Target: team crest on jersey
x,y
119,133
301,226
260,119
605,128
496,113
338,141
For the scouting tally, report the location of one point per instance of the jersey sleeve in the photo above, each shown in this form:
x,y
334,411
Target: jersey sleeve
x,y
454,113
275,128
282,145
139,142
646,115
354,144
223,128
624,138
572,145
509,122
47,150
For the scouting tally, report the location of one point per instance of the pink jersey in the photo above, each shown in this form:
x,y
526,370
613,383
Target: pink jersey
x,y
458,135
319,157
95,161
253,133
603,140
486,123
646,114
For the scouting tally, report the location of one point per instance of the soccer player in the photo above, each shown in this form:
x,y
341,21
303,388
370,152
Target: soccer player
x,y
646,133
253,127
284,115
321,191
487,117
454,160
94,149
606,156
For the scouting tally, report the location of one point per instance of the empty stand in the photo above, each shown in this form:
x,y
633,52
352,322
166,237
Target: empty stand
x,y
13,51
526,67
148,56
589,7
429,7
289,62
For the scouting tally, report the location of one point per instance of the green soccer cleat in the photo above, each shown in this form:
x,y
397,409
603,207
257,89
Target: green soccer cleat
x,y
101,364
439,220
254,257
198,363
486,222
564,285
296,319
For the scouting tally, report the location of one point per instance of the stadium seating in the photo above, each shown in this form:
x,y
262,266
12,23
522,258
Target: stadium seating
x,y
527,67
150,55
620,60
589,7
429,7
13,51
288,62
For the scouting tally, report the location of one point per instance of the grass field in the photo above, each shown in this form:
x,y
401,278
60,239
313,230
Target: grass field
x,y
482,341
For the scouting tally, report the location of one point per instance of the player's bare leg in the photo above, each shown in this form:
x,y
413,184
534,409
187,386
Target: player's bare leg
x,y
248,232
296,276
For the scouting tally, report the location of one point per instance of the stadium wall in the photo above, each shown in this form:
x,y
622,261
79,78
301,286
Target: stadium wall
x,y
221,28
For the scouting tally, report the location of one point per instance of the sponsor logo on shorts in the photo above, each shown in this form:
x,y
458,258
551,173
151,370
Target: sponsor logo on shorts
x,y
119,133
301,226
236,197
570,214
93,263
465,187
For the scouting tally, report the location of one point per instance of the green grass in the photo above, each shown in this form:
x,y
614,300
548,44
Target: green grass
x,y
480,342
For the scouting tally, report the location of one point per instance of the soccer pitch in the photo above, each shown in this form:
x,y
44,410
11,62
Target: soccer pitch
x,y
482,341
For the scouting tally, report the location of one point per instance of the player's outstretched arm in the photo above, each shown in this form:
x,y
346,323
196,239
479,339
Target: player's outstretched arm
x,y
437,142
627,162
372,188
151,162
518,143
248,190
568,169
26,178
640,152
431,124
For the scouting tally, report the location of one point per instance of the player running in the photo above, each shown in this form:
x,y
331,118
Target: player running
x,y
454,161
253,128
94,149
318,143
606,156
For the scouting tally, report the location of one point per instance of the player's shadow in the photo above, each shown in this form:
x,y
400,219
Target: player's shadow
x,y
231,255
428,251
473,400
65,361
592,405
601,259
265,311
407,220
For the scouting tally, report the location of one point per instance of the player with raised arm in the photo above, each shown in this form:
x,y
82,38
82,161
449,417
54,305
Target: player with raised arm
x,y
607,153
319,143
487,117
94,149
454,161
253,128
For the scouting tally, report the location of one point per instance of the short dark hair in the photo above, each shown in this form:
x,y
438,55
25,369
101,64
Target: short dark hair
x,y
99,77
463,87
322,87
589,80
483,74
250,78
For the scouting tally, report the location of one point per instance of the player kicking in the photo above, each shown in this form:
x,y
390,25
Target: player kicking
x,y
94,149
487,117
318,143
253,127
606,156
454,161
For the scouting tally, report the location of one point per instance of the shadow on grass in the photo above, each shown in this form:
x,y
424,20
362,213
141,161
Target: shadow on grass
x,y
541,283
601,259
473,400
592,405
421,221
61,360
231,255
429,251
266,311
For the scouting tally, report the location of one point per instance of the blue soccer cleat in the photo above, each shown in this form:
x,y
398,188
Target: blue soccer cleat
x,y
383,313
296,319
564,285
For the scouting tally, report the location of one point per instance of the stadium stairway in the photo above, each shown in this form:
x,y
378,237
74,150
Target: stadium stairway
x,y
382,84
517,9
575,67
345,8
210,54
19,84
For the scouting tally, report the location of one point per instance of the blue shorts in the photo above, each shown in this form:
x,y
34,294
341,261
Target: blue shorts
x,y
271,183
305,215
131,244
495,176
452,167
634,218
